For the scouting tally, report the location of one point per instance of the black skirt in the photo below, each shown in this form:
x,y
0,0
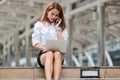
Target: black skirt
x,y
38,59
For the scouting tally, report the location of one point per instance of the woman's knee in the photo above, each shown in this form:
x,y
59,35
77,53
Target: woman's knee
x,y
57,55
49,55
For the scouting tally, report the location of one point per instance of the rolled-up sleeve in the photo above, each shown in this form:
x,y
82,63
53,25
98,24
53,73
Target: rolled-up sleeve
x,y
36,34
65,34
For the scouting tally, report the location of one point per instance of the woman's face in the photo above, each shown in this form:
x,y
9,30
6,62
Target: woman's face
x,y
53,15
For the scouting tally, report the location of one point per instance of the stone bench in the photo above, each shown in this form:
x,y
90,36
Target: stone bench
x,y
67,72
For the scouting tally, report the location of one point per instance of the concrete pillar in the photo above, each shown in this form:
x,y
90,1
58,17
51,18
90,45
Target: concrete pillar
x,y
4,54
8,54
90,54
16,48
27,48
100,30
69,27
80,59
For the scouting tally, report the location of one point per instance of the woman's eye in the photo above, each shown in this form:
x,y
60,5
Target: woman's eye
x,y
56,15
52,14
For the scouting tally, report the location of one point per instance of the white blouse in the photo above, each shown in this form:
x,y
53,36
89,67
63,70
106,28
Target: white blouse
x,y
45,31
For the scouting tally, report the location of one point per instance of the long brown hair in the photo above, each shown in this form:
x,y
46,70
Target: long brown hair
x,y
54,5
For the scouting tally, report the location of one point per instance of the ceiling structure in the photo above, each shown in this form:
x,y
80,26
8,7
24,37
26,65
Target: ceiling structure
x,y
15,14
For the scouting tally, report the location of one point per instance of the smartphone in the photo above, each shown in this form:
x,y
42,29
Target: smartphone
x,y
56,21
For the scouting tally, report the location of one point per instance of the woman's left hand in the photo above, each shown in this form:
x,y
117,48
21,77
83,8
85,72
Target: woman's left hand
x,y
58,21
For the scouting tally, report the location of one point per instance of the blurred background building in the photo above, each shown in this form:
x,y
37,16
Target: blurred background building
x,y
93,26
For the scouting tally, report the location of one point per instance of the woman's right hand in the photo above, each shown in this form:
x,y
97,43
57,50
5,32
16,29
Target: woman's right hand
x,y
39,47
44,48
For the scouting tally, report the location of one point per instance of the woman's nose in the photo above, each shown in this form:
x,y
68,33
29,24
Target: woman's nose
x,y
54,16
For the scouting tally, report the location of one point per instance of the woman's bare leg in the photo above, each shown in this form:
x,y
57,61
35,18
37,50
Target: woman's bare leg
x,y
47,61
57,65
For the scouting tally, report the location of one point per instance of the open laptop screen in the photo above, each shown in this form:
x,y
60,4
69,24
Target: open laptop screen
x,y
54,45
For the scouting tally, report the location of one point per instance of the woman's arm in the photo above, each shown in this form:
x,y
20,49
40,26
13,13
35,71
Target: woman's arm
x,y
62,35
59,35
59,30
36,37
39,47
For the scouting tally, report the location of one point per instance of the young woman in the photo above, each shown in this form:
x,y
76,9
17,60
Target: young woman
x,y
51,27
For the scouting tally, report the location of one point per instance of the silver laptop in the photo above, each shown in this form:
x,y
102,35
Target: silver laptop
x,y
54,45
